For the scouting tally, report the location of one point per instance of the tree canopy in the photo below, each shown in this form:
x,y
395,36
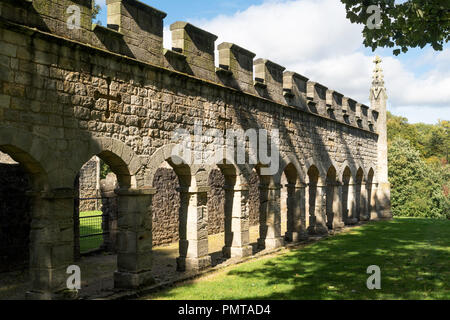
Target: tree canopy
x,y
419,172
409,24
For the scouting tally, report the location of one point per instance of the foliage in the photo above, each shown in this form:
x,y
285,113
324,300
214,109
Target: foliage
x,y
104,169
95,11
432,141
416,188
418,168
408,24
413,259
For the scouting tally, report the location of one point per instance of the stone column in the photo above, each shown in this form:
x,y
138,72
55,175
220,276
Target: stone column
x,y
237,234
270,224
194,253
310,219
338,220
321,210
51,244
134,238
374,205
296,226
364,207
351,204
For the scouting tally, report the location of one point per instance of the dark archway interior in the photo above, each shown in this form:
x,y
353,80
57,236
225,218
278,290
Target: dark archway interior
x,y
15,216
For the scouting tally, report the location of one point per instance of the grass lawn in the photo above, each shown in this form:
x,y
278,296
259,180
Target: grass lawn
x,y
90,226
413,254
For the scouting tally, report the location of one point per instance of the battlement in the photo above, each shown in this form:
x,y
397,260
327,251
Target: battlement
x,y
135,30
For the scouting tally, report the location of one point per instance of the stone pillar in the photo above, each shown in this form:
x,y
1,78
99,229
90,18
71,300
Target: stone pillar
x,y
373,202
51,244
384,200
237,235
338,219
310,219
378,103
270,224
296,216
364,207
351,204
134,238
321,210
193,247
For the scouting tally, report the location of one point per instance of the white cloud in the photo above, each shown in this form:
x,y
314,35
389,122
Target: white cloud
x,y
314,38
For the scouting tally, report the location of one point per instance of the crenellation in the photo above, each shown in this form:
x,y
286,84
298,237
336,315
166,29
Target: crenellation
x,y
142,29
269,80
349,110
238,65
316,96
198,46
108,39
295,88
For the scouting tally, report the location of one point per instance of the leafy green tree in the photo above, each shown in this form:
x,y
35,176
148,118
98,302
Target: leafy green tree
x,y
408,24
416,188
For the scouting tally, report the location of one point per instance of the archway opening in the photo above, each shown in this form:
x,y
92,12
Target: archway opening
x,y
166,206
172,216
224,210
290,203
20,177
96,221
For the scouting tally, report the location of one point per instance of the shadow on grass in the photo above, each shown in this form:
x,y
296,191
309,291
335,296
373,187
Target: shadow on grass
x,y
413,255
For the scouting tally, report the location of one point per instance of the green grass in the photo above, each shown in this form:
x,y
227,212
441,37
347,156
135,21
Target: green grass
x,y
90,226
413,254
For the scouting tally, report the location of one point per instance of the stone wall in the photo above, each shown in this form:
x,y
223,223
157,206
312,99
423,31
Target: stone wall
x,y
165,207
89,188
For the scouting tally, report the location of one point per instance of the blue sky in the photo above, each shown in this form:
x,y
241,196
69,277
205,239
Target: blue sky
x,y
313,38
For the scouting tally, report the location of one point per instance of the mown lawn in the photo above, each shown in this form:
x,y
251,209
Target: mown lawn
x,y
90,226
413,254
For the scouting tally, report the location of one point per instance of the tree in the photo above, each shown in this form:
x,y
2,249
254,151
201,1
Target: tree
x,y
410,24
417,190
95,11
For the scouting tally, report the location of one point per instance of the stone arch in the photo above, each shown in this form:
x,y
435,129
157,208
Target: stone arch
x,y
32,152
184,171
290,166
123,161
36,158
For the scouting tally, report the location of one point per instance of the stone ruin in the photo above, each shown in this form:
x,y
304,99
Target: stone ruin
x,y
69,94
